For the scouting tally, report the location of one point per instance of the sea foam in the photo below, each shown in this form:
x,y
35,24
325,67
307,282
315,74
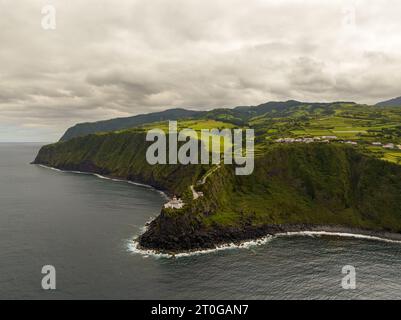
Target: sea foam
x,y
108,178
336,234
133,245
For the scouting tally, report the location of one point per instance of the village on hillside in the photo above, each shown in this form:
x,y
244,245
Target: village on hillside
x,y
177,203
328,139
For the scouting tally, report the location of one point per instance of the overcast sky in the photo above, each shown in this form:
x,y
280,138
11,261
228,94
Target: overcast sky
x,y
110,58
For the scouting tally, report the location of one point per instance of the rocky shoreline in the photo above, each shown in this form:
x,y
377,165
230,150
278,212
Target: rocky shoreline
x,y
173,236
90,168
215,238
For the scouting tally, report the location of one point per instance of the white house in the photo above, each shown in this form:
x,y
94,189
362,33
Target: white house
x,y
174,203
308,140
389,146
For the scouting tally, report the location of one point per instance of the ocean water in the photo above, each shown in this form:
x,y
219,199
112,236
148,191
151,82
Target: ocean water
x,y
83,226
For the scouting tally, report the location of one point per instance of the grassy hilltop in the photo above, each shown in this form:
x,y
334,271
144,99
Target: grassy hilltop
x,y
348,121
295,184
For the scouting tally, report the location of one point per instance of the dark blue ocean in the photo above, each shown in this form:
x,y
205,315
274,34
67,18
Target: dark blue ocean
x,y
82,225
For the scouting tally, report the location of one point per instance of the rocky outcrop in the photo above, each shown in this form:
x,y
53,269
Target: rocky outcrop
x,y
293,188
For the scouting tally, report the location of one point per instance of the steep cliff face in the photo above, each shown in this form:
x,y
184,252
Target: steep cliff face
x,y
120,155
83,129
292,187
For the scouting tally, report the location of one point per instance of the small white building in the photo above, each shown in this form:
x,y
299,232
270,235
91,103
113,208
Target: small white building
x,y
174,203
377,143
389,146
329,137
308,140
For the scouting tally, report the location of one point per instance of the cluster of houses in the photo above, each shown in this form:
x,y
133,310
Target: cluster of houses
x,y
391,146
177,203
327,139
324,139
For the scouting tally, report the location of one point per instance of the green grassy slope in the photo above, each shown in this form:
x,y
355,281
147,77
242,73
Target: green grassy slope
x,y
83,129
120,155
315,184
237,116
273,120
322,185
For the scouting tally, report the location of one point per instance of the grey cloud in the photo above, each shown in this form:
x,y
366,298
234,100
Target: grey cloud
x,y
309,75
109,59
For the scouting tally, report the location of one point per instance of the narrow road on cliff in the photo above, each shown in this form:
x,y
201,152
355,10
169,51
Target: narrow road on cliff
x,y
196,194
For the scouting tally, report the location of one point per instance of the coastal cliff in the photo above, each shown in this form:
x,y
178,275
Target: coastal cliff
x,y
293,187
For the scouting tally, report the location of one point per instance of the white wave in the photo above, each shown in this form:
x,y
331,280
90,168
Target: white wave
x,y
108,178
337,234
101,177
51,168
165,196
133,247
149,187
145,227
140,184
76,172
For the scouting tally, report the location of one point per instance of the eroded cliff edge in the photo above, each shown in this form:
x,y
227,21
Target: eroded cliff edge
x,y
293,187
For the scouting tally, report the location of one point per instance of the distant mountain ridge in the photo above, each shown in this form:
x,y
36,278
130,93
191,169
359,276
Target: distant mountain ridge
x,y
396,102
82,129
294,187
237,115
348,182
243,112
